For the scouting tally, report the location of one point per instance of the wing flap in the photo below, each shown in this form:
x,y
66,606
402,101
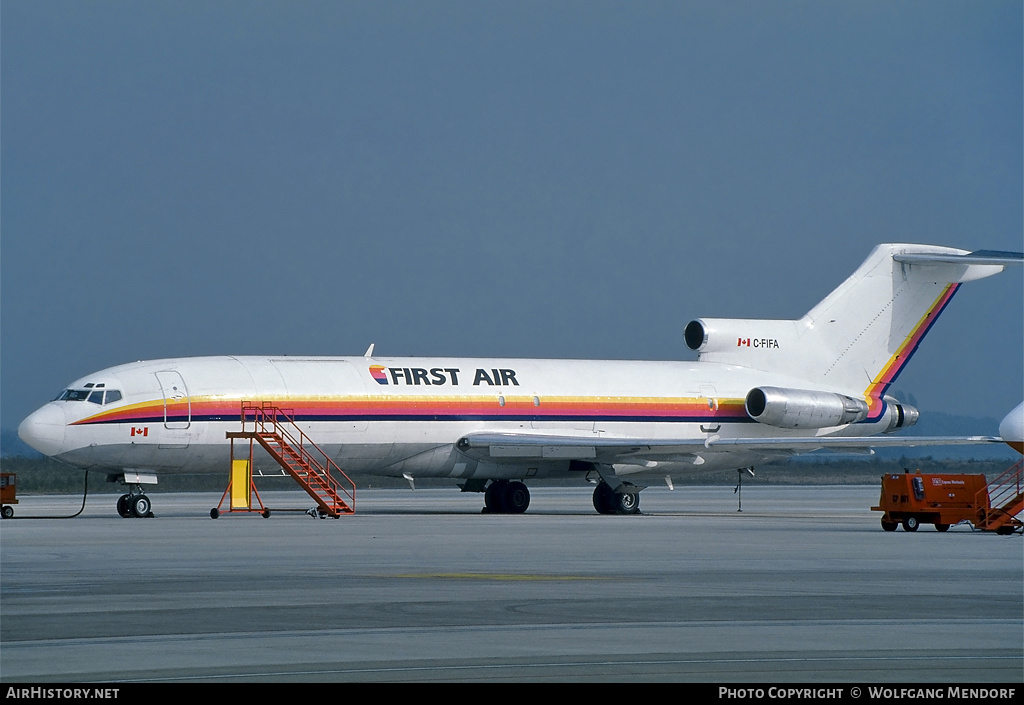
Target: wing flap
x,y
496,446
544,450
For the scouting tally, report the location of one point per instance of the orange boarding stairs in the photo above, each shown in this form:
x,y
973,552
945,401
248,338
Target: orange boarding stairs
x,y
275,429
1005,501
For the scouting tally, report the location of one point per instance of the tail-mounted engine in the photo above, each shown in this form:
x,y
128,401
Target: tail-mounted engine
x,y
899,415
733,336
801,408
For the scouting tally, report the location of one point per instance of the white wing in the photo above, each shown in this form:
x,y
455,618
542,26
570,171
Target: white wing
x,y
511,447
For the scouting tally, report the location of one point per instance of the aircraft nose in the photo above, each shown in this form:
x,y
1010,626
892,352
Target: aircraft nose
x,y
1012,428
43,429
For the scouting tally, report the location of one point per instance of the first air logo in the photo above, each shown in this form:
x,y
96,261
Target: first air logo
x,y
420,376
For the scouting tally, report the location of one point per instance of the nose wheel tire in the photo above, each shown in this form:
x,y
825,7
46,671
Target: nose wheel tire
x,y
134,506
141,506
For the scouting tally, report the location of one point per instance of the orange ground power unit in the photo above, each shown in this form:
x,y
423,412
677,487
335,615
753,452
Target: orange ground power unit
x,y
912,499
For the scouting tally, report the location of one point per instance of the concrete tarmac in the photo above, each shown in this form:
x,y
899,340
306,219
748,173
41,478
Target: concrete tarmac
x,y
801,586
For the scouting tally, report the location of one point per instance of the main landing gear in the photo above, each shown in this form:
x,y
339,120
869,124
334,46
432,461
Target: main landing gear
x,y
513,497
134,505
608,501
506,497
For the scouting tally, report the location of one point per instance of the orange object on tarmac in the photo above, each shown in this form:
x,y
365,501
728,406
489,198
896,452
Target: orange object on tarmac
x,y
912,499
8,494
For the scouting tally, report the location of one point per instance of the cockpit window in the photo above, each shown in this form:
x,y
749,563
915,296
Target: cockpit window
x,y
93,395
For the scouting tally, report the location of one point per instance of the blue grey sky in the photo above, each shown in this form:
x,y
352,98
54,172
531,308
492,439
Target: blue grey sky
x,y
528,179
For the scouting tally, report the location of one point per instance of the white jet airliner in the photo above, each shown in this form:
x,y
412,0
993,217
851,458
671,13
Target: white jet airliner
x,y
760,390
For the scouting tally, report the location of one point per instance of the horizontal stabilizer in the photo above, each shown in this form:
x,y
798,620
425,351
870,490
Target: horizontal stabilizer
x,y
976,257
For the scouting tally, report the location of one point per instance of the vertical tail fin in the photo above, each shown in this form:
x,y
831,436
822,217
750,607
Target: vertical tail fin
x,y
858,339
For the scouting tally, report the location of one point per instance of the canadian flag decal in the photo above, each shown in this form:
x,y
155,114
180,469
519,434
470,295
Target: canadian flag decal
x,y
742,341
144,431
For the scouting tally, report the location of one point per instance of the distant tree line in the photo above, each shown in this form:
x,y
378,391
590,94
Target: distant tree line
x,y
47,476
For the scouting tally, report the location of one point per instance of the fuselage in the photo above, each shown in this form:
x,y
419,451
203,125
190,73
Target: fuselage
x,y
398,416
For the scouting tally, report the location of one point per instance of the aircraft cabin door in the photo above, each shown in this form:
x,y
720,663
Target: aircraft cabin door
x,y
177,405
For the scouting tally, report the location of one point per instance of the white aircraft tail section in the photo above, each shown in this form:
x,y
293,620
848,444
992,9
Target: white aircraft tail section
x,y
856,340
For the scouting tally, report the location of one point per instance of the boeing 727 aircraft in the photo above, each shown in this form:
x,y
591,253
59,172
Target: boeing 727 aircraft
x,y
760,390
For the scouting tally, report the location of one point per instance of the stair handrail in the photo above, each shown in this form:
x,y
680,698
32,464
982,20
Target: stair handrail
x,y
322,474
1008,485
268,414
1002,491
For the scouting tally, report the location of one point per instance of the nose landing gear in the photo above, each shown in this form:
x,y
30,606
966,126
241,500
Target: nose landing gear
x,y
133,505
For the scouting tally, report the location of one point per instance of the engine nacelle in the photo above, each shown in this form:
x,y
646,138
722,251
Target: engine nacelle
x,y
801,408
696,334
739,335
899,415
